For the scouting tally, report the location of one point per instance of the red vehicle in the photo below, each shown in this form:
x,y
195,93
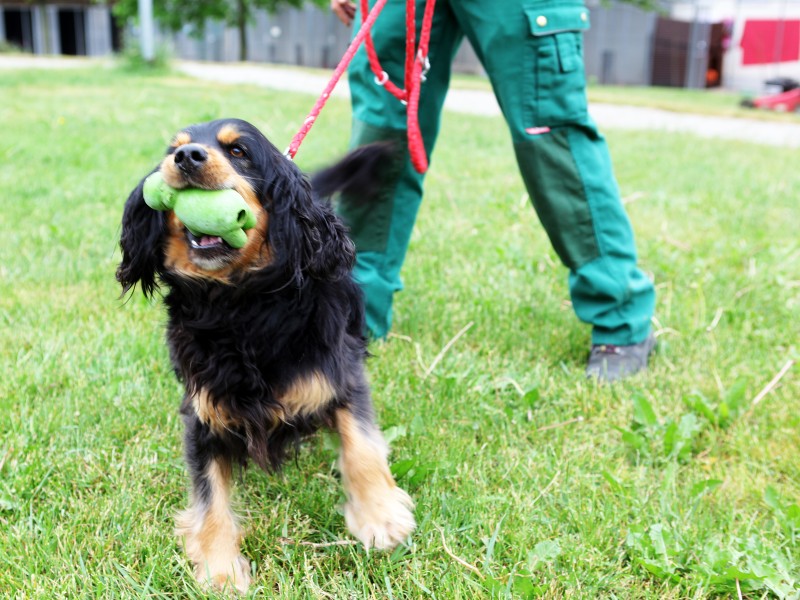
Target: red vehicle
x,y
783,96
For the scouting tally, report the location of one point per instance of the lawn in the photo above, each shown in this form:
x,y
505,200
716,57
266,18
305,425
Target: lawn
x,y
529,480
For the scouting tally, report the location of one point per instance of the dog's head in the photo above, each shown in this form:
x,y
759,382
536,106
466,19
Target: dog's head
x,y
295,233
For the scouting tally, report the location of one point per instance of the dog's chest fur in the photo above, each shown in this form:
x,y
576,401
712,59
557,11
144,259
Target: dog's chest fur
x,y
256,363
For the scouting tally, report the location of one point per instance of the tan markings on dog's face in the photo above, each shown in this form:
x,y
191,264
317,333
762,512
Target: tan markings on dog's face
x,y
217,172
307,395
228,135
254,255
181,139
215,416
212,535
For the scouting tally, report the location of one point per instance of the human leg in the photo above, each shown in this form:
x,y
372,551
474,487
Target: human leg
x,y
533,56
382,229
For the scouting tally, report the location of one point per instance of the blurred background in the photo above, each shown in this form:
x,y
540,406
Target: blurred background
x,y
734,44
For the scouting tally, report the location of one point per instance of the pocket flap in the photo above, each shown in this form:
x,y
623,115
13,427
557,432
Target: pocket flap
x,y
555,19
568,54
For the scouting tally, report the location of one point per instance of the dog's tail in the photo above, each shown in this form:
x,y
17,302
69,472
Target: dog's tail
x,y
361,174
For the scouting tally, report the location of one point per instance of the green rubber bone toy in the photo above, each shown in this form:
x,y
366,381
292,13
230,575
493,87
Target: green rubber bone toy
x,y
222,213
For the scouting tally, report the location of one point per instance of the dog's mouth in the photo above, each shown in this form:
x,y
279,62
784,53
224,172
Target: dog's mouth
x,y
209,252
206,242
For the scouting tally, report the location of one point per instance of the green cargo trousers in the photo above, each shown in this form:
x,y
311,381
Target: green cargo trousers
x,y
532,52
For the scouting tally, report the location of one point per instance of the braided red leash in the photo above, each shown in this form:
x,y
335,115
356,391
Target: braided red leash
x,y
416,145
381,76
415,68
337,74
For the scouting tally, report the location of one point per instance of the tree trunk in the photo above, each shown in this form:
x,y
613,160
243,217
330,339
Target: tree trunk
x,y
241,6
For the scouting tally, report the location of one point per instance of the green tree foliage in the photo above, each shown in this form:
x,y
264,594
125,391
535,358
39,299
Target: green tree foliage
x,y
643,4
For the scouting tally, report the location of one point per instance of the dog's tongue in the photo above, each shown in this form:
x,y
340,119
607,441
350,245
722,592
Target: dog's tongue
x,y
209,240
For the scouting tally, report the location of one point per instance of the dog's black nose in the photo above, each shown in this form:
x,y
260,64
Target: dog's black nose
x,y
190,157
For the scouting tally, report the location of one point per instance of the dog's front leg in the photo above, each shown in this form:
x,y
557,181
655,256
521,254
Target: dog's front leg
x,y
377,512
209,526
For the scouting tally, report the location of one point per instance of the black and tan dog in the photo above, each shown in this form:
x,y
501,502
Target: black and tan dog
x,y
267,338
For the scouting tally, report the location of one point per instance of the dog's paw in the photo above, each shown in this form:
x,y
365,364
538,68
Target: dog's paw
x,y
233,577
381,521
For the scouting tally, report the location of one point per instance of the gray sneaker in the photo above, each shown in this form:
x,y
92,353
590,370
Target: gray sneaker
x,y
608,362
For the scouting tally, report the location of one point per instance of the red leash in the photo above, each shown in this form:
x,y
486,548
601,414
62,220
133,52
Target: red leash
x,y
416,67
416,146
337,74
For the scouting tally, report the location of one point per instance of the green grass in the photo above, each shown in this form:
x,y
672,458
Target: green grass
x,y
671,485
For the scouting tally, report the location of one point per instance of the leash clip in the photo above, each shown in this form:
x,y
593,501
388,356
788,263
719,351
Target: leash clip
x,y
383,78
426,65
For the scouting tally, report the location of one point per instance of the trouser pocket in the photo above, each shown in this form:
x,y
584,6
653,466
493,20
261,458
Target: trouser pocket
x,y
555,76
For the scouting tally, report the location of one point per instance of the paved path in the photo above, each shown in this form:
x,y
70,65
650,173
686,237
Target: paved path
x,y
474,102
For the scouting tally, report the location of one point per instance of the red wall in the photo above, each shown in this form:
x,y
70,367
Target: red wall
x,y
770,41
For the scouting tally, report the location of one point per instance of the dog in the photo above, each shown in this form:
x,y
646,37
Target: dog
x,y
267,339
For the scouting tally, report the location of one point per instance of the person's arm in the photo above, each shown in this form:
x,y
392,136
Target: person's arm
x,y
345,10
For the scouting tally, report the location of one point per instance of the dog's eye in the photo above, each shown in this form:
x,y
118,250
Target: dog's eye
x,y
236,151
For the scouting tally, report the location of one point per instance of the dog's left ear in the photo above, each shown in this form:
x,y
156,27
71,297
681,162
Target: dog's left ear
x,y
307,236
141,243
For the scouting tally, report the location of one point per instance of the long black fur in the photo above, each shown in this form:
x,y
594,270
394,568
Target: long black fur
x,y
248,340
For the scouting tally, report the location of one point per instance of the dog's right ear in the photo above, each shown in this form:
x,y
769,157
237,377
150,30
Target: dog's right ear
x,y
141,242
